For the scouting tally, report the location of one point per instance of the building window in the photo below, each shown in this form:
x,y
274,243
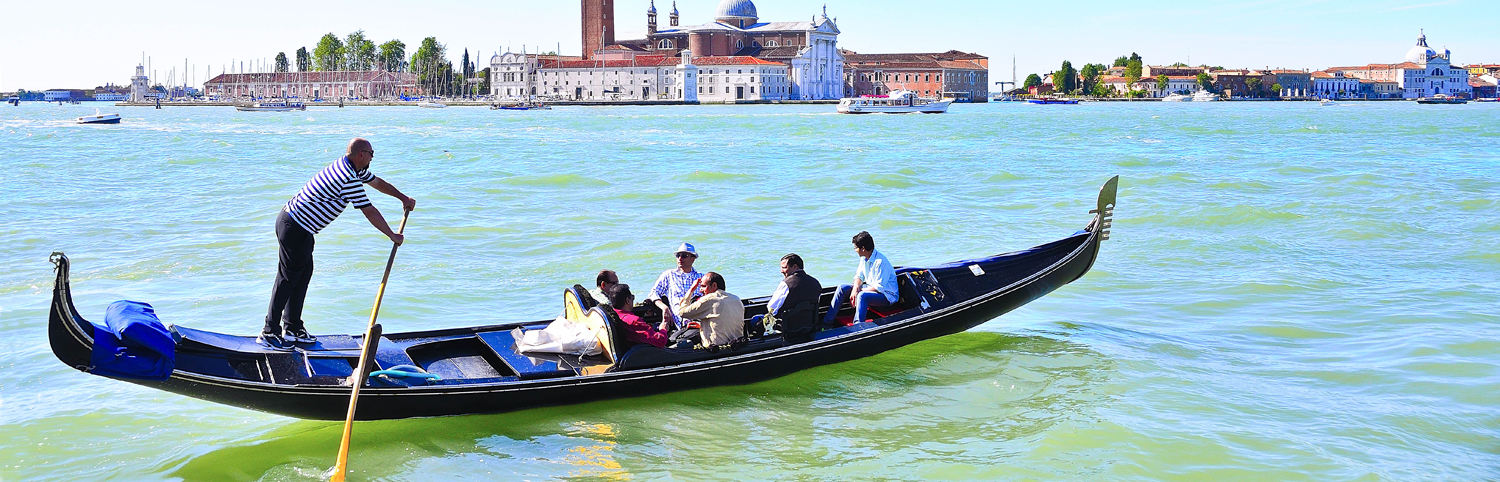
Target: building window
x,y
770,43
665,44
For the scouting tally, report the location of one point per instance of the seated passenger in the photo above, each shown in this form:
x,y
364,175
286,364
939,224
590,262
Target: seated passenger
x,y
636,331
672,287
796,287
874,282
607,279
721,314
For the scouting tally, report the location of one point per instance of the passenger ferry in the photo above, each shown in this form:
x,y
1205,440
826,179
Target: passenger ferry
x,y
898,102
279,105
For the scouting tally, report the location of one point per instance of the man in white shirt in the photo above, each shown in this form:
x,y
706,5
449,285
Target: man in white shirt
x,y
675,285
874,282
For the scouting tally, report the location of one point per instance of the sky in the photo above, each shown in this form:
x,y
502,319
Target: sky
x,y
95,42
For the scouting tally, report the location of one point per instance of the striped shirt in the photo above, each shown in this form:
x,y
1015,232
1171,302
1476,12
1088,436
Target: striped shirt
x,y
326,195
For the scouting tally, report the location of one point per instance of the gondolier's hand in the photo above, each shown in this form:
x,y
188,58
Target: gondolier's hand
x,y
397,238
409,204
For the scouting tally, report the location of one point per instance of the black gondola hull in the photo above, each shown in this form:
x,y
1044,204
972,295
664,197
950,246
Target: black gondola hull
x,y
959,301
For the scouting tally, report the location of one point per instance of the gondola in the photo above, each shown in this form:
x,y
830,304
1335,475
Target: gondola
x,y
478,370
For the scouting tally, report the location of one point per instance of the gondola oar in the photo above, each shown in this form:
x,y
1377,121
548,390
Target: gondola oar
x,y
357,379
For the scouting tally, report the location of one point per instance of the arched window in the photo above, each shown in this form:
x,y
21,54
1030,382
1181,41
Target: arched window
x,y
739,43
770,43
665,44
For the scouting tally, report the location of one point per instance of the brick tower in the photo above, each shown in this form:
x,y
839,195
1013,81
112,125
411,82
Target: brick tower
x,y
598,25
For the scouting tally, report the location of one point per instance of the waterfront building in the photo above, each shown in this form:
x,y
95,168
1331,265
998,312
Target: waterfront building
x,y
1176,84
629,75
809,50
1335,85
1169,70
953,74
314,85
1425,73
1483,89
1294,83
62,95
1236,83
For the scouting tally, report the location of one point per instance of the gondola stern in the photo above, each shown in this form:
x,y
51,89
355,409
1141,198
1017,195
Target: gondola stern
x,y
71,336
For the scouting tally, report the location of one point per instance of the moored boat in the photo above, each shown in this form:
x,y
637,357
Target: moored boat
x,y
898,102
479,370
1205,97
1053,100
1442,99
525,105
98,118
1177,98
431,104
279,105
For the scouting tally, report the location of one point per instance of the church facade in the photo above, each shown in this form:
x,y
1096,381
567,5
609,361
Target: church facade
x,y
1425,73
808,51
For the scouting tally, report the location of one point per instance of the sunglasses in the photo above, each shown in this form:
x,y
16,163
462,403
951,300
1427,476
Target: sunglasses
x,y
685,255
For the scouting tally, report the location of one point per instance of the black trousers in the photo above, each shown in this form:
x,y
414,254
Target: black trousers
x,y
294,268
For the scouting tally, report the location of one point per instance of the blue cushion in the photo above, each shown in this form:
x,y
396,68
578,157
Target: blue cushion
x,y
133,343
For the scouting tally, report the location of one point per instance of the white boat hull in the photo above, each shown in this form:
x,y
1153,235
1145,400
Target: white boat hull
x,y
100,119
938,107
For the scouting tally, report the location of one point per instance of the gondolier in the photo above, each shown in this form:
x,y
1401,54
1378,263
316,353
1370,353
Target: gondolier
x,y
312,209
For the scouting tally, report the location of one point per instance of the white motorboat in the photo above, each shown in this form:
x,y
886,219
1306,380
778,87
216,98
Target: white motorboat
x,y
1177,98
431,104
1205,97
98,118
1327,102
272,106
898,102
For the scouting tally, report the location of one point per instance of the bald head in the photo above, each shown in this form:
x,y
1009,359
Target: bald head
x,y
358,144
360,153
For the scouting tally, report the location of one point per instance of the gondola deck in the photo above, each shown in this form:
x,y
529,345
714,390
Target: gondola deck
x,y
481,371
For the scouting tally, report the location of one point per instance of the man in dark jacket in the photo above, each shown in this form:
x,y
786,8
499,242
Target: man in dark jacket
x,y
797,287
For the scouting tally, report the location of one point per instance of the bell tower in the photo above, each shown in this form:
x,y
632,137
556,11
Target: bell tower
x,y
598,25
651,19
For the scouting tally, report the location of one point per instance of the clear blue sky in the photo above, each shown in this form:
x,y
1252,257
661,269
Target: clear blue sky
x,y
97,42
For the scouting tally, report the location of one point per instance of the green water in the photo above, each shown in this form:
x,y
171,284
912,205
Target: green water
x,y
1291,292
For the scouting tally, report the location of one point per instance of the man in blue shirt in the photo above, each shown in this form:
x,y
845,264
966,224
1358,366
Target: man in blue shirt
x,y
676,284
874,282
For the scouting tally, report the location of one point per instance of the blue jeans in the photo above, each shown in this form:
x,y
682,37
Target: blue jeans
x,y
866,299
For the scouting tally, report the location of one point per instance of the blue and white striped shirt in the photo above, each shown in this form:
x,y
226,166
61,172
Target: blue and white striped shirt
x,y
326,195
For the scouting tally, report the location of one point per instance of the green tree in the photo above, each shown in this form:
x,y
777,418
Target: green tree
x,y
1162,82
1276,90
393,56
468,68
1206,82
281,63
1065,80
303,62
1179,64
428,63
1133,70
1091,73
484,83
1100,90
1121,61
359,52
1253,85
1032,80
329,54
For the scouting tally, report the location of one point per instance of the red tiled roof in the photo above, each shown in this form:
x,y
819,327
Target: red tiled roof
x,y
733,60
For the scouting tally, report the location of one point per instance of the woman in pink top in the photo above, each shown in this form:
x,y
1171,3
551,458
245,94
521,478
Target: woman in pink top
x,y
636,330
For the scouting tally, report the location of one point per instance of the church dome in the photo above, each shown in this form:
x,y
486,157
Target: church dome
x,y
1421,53
732,10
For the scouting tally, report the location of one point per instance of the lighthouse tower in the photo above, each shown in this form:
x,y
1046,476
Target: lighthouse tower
x,y
139,85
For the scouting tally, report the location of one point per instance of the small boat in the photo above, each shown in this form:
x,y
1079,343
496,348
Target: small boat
x,y
1442,99
527,105
1177,98
478,369
1327,102
1487,100
431,104
1052,100
98,118
272,106
898,102
1205,97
